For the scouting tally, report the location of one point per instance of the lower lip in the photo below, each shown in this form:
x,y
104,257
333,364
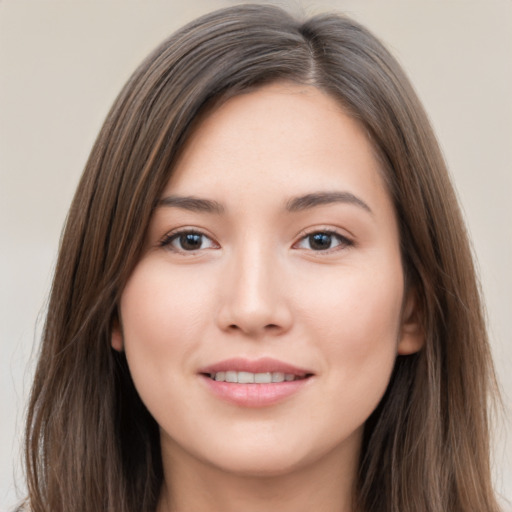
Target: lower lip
x,y
255,395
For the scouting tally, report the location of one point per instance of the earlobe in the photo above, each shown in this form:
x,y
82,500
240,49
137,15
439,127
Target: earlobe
x,y
116,339
412,336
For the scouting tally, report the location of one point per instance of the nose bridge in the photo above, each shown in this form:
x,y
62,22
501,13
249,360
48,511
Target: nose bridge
x,y
254,299
254,271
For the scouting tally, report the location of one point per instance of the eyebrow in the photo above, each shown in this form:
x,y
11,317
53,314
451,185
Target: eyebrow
x,y
191,203
301,203
295,204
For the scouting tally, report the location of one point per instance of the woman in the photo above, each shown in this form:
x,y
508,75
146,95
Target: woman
x,y
265,293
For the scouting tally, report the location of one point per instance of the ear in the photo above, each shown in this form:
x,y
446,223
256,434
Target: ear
x,y
412,337
116,339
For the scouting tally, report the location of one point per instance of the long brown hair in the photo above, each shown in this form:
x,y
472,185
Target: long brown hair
x,y
91,445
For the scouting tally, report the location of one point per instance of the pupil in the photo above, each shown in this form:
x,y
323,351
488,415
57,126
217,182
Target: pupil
x,y
190,241
320,241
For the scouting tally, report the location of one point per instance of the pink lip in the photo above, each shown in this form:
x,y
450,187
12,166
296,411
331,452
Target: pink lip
x,y
255,395
263,365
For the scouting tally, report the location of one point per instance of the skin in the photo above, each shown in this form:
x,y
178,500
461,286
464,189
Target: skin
x,y
256,285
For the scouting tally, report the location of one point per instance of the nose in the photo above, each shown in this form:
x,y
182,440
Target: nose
x,y
254,296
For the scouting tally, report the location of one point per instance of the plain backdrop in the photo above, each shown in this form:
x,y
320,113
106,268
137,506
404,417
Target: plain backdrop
x,y
62,64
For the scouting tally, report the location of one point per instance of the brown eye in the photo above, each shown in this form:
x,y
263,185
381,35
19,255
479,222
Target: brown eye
x,y
187,241
323,241
320,241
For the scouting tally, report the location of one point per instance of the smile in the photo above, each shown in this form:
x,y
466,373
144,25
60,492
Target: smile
x,y
234,376
255,383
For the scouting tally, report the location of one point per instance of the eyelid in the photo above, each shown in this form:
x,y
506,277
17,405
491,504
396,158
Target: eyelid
x,y
166,241
170,236
345,241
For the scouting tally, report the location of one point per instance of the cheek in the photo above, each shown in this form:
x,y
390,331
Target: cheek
x,y
358,338
356,320
157,304
161,313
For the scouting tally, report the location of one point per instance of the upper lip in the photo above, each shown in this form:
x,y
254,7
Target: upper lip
x,y
262,365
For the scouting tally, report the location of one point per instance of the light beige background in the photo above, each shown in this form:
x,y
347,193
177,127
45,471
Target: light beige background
x,y
63,62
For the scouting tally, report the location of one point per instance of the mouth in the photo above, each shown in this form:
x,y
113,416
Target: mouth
x,y
259,371
243,377
255,383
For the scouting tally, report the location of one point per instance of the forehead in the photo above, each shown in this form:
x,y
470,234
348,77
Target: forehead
x,y
283,136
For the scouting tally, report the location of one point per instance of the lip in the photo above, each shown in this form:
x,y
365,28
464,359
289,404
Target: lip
x,y
255,395
262,365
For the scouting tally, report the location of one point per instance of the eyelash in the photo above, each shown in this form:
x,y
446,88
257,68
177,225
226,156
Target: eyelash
x,y
169,238
343,241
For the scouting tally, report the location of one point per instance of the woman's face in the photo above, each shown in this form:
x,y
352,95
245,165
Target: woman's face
x,y
273,256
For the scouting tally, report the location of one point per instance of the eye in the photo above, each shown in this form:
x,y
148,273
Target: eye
x,y
323,241
187,241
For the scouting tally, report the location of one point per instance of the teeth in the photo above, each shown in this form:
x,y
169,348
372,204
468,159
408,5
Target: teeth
x,y
252,378
231,376
262,378
279,377
245,377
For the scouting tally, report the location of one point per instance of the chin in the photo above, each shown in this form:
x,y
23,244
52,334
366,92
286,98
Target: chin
x,y
260,466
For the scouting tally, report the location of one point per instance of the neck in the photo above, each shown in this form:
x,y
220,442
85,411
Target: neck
x,y
195,486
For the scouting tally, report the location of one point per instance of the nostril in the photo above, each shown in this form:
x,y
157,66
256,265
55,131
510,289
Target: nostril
x,y
268,327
